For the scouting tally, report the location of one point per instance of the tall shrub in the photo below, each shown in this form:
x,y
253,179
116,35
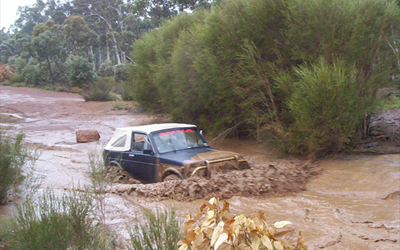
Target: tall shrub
x,y
357,31
12,158
224,71
152,72
326,105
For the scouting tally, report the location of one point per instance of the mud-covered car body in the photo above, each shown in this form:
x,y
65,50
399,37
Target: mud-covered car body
x,y
150,153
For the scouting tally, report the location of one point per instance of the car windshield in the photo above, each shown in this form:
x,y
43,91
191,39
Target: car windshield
x,y
178,139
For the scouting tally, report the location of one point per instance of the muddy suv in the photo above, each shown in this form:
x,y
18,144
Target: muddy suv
x,y
169,151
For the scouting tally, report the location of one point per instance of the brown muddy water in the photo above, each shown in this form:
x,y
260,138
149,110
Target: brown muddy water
x,y
353,204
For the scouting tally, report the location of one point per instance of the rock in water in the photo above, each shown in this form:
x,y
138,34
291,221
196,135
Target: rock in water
x,y
87,135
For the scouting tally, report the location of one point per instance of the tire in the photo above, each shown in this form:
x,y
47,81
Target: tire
x,y
172,177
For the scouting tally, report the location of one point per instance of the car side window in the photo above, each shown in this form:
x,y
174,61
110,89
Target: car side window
x,y
120,142
138,142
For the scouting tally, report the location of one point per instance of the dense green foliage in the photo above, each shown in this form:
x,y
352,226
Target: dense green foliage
x,y
326,105
296,69
12,158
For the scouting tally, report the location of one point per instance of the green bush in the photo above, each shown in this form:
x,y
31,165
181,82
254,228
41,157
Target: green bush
x,y
56,221
17,78
80,71
6,83
34,73
120,72
18,62
12,157
106,69
19,84
327,104
62,89
160,230
100,90
128,93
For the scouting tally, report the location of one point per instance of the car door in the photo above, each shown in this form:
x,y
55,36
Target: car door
x,y
140,165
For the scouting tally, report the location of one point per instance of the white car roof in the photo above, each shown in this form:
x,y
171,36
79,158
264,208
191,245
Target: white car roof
x,y
147,129
120,141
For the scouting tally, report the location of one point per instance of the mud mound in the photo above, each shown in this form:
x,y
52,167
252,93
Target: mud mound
x,y
118,175
262,180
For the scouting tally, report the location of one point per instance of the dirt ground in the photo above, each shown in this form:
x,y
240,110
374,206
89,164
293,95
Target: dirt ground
x,y
345,202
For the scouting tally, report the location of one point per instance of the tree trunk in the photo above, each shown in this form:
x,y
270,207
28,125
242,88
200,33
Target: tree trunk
x,y
116,49
100,56
50,72
108,52
93,58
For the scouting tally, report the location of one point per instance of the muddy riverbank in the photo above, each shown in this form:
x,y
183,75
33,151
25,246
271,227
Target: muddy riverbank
x,y
347,202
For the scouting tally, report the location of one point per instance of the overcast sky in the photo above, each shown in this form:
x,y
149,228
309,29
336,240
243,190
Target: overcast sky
x,y
8,11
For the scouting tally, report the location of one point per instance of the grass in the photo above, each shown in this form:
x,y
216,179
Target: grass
x,y
159,230
59,219
120,105
99,182
389,102
75,219
56,221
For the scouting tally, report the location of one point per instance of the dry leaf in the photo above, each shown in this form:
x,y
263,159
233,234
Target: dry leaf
x,y
213,201
255,244
229,221
183,247
225,207
191,235
218,230
266,242
263,217
222,239
281,224
278,245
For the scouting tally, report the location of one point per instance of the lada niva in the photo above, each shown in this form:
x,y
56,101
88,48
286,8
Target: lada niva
x,y
168,151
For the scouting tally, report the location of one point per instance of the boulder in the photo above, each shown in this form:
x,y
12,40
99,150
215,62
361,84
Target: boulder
x,y
87,135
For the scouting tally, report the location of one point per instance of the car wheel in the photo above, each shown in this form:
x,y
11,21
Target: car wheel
x,y
172,177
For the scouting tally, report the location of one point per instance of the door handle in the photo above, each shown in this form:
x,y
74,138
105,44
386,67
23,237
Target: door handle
x,y
131,155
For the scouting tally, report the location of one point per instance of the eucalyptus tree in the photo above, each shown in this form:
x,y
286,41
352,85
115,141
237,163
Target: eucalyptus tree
x,y
57,11
76,32
6,49
47,47
30,16
107,14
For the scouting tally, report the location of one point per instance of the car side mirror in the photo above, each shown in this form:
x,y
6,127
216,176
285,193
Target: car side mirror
x,y
148,152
